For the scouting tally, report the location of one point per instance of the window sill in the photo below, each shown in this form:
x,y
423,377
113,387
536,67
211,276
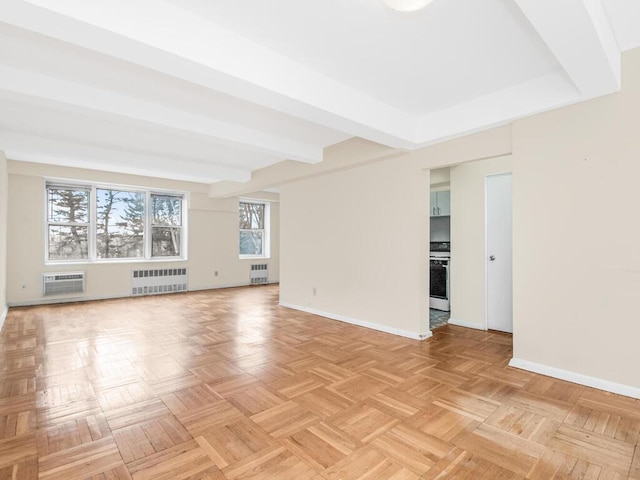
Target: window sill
x,y
115,261
254,257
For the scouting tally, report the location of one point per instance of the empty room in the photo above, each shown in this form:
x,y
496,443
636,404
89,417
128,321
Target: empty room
x,y
333,240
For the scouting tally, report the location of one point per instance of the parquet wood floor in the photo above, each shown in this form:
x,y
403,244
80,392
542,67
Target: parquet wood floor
x,y
227,385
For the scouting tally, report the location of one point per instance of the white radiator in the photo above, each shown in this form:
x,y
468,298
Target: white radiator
x,y
161,280
259,274
62,283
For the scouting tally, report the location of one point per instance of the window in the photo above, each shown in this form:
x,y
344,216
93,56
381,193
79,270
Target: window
x,y
100,223
68,223
119,224
254,233
166,227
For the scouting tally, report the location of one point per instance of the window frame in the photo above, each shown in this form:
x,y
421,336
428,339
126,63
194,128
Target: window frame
x,y
92,230
50,223
266,231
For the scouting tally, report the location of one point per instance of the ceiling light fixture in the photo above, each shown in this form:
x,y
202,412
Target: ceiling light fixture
x,y
407,5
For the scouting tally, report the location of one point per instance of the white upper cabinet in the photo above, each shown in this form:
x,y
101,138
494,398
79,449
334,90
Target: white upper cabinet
x,y
440,203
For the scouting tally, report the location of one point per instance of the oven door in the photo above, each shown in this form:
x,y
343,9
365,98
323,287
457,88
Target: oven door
x,y
439,283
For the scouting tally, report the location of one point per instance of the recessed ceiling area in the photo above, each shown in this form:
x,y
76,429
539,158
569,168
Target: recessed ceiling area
x,y
212,90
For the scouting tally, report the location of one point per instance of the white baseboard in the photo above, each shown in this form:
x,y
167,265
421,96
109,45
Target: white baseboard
x,y
360,323
462,323
578,378
48,301
3,316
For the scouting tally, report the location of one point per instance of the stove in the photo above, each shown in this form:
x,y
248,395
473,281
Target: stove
x,y
440,249
439,258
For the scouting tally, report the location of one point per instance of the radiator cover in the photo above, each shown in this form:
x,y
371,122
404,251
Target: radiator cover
x,y
158,280
259,274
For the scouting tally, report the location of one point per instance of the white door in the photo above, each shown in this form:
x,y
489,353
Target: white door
x,y
499,253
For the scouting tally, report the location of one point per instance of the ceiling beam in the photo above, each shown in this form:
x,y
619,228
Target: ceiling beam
x,y
30,148
71,93
154,36
534,96
578,33
341,156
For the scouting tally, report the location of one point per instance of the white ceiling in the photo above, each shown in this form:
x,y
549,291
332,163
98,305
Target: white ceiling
x,y
210,90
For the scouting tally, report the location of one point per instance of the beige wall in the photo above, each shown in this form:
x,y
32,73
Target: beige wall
x,y
212,242
577,235
576,286
467,267
357,238
361,236
4,189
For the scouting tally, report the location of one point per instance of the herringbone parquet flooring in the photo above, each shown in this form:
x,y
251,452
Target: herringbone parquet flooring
x,y
228,385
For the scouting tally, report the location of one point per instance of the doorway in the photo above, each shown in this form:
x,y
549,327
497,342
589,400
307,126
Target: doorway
x,y
499,257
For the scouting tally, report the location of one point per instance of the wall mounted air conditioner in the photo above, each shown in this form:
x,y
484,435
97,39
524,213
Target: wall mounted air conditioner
x,y
62,283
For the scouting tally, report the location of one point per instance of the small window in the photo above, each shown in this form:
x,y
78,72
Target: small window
x,y
67,223
254,236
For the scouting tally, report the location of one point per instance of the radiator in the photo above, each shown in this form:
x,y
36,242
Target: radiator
x,y
62,283
161,280
259,274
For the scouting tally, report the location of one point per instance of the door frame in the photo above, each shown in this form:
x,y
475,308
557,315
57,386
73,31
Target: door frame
x,y
486,246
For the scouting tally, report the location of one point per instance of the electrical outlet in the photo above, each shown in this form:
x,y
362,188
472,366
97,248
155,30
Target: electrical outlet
x,y
314,291
215,273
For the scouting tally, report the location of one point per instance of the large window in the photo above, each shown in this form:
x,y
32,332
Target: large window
x,y
88,223
254,232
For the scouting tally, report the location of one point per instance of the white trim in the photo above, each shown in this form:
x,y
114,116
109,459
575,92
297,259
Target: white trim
x,y
3,317
48,301
578,378
463,323
361,323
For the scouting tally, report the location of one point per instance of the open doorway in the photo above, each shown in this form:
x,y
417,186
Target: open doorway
x,y
439,248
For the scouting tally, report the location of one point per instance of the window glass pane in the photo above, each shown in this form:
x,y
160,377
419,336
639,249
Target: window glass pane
x,y
119,224
251,242
68,205
167,210
67,242
165,241
251,216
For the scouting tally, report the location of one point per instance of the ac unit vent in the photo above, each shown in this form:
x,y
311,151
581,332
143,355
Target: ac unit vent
x,y
161,280
259,274
62,283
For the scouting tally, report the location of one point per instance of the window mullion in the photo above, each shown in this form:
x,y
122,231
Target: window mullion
x,y
92,228
148,227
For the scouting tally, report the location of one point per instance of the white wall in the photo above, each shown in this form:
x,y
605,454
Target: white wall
x,y
213,237
4,198
468,275
577,235
356,237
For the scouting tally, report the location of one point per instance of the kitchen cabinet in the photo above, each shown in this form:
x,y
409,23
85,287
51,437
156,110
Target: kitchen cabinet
x,y
441,203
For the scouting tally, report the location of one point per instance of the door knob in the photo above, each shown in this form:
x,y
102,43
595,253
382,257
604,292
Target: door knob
x,y
492,257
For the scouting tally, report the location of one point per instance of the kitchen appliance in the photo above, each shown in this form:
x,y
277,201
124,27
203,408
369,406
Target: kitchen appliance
x,y
439,259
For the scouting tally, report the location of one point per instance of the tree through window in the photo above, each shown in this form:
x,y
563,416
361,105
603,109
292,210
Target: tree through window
x,y
166,225
124,224
119,224
67,223
252,229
